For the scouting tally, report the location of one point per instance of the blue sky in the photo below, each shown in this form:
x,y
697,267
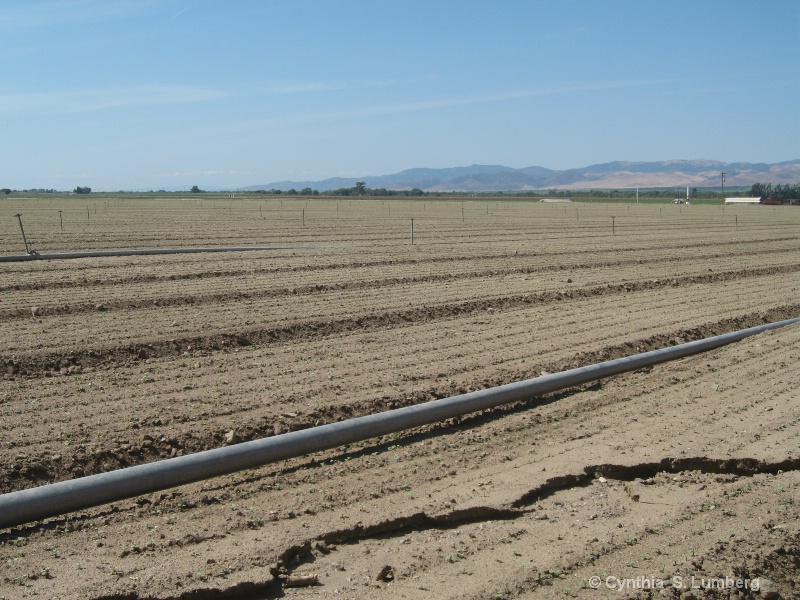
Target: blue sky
x,y
146,94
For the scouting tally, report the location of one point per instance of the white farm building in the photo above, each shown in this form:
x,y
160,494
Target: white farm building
x,y
745,201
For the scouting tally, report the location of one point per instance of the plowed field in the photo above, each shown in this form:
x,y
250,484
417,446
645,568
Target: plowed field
x,y
684,474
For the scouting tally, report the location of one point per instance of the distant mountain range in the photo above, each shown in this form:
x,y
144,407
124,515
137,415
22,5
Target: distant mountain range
x,y
620,174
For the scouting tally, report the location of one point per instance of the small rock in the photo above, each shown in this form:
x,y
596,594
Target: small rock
x,y
301,580
386,574
35,311
768,589
322,547
230,437
99,307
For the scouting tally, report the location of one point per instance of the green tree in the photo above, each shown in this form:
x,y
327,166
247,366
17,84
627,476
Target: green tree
x,y
195,190
361,188
759,190
82,190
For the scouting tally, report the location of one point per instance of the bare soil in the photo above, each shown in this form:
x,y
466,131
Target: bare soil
x,y
657,483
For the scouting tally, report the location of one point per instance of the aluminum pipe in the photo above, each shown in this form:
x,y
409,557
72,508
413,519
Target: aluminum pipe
x,y
17,508
144,252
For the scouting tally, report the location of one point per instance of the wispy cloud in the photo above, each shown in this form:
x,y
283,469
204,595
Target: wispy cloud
x,y
17,51
432,104
331,86
86,100
104,98
207,173
33,14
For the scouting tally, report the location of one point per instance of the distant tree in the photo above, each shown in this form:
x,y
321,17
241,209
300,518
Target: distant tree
x,y
307,191
292,192
361,188
759,190
195,190
417,192
82,190
6,191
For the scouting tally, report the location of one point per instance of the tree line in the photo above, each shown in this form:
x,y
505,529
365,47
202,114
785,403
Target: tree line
x,y
359,189
766,191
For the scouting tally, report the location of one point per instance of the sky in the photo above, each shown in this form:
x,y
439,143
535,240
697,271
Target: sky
x,y
167,94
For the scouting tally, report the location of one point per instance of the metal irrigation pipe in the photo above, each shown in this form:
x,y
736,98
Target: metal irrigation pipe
x,y
102,253
33,504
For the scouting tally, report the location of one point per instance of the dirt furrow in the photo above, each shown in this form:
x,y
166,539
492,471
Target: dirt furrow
x,y
27,470
41,363
199,299
109,275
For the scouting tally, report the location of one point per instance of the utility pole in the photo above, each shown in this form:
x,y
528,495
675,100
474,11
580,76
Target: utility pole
x,y
723,185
